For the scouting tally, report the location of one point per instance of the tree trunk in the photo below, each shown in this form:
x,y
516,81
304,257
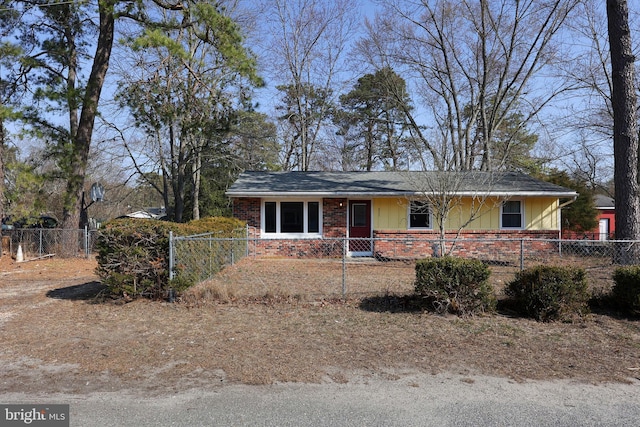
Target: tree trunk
x,y
196,168
2,145
82,141
625,129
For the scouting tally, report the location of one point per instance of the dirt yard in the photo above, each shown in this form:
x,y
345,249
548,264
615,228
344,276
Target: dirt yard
x,y
260,324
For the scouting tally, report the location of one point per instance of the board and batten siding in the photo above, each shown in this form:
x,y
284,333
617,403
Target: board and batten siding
x,y
540,213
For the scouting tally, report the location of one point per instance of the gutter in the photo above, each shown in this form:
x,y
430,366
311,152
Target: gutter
x,y
564,205
307,194
568,202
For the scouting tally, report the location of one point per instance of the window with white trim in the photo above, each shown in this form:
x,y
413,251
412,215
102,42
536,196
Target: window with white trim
x,y
512,214
419,214
291,217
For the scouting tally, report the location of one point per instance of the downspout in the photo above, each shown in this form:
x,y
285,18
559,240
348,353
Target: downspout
x,y
564,205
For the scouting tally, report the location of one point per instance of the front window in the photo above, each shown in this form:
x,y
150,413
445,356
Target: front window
x,y
270,217
419,214
512,214
313,217
291,217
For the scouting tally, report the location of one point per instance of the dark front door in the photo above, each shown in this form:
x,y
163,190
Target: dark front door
x,y
360,226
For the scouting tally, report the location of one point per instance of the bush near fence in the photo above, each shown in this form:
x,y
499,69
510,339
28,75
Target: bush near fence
x,y
133,254
625,294
549,293
455,285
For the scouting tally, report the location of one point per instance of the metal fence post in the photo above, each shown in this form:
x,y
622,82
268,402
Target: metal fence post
x,y
344,267
86,241
171,255
560,247
210,256
247,239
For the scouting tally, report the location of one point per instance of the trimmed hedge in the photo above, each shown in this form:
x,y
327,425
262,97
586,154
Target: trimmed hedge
x,y
548,293
456,285
133,254
625,294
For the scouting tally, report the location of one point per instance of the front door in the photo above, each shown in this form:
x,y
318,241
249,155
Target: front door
x,y
360,227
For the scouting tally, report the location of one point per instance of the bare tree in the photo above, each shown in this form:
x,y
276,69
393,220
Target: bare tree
x,y
463,195
591,71
592,118
475,65
625,125
308,43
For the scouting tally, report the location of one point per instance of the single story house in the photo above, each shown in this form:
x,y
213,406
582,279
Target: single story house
x,y
367,206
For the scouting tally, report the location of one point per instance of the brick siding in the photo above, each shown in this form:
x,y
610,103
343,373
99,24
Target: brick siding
x,y
334,221
495,245
248,210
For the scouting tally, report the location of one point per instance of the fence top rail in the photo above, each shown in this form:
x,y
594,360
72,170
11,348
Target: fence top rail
x,y
209,239
11,230
242,231
45,230
438,239
211,233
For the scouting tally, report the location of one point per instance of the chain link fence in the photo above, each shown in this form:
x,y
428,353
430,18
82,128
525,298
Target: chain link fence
x,y
33,243
198,257
327,268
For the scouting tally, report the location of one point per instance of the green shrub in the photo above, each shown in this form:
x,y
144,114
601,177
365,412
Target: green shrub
x,y
221,226
550,293
456,285
626,289
133,254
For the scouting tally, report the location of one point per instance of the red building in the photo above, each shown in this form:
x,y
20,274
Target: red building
x,y
606,218
606,222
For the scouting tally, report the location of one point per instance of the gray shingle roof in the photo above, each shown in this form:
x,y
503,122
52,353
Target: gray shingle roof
x,y
604,202
368,184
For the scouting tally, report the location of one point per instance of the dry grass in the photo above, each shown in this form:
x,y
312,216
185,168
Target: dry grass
x,y
310,279
304,280
269,321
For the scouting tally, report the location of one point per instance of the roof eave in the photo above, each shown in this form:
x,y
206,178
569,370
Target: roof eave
x,y
310,194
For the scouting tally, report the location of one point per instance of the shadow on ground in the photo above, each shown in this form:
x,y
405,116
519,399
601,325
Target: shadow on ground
x,y
506,307
393,304
418,304
84,292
